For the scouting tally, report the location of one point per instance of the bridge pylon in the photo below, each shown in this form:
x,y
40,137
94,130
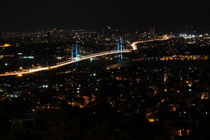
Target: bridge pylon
x,y
120,48
75,52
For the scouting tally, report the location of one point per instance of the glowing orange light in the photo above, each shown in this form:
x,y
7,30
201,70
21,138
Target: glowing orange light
x,y
173,108
204,96
151,120
5,45
19,75
81,106
179,132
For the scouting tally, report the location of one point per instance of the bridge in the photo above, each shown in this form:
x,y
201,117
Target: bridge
x,y
76,59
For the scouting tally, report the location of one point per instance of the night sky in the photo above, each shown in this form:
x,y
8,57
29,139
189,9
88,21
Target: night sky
x,y
19,15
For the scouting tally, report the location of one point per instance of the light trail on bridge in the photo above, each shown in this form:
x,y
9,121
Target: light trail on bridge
x,y
135,47
29,71
82,58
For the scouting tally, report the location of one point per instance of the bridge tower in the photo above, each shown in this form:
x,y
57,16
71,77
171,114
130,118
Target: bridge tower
x,y
75,52
120,47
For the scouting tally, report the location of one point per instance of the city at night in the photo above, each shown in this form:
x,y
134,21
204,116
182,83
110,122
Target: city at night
x,y
104,70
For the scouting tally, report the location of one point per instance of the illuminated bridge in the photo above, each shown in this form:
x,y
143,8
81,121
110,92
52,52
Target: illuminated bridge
x,y
76,59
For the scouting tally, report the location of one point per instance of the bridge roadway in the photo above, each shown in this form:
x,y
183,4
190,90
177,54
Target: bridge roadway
x,y
86,57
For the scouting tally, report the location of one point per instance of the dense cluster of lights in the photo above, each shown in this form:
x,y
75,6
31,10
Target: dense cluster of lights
x,y
192,36
187,36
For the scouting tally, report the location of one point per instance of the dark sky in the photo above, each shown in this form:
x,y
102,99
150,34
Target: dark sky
x,y
17,15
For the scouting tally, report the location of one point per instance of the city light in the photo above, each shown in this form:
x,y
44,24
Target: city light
x,y
5,45
84,81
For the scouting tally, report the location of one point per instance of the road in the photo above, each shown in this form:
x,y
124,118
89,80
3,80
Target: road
x,y
86,57
29,71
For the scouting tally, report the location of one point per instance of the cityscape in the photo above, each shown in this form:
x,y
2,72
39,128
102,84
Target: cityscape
x,y
111,82
107,73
